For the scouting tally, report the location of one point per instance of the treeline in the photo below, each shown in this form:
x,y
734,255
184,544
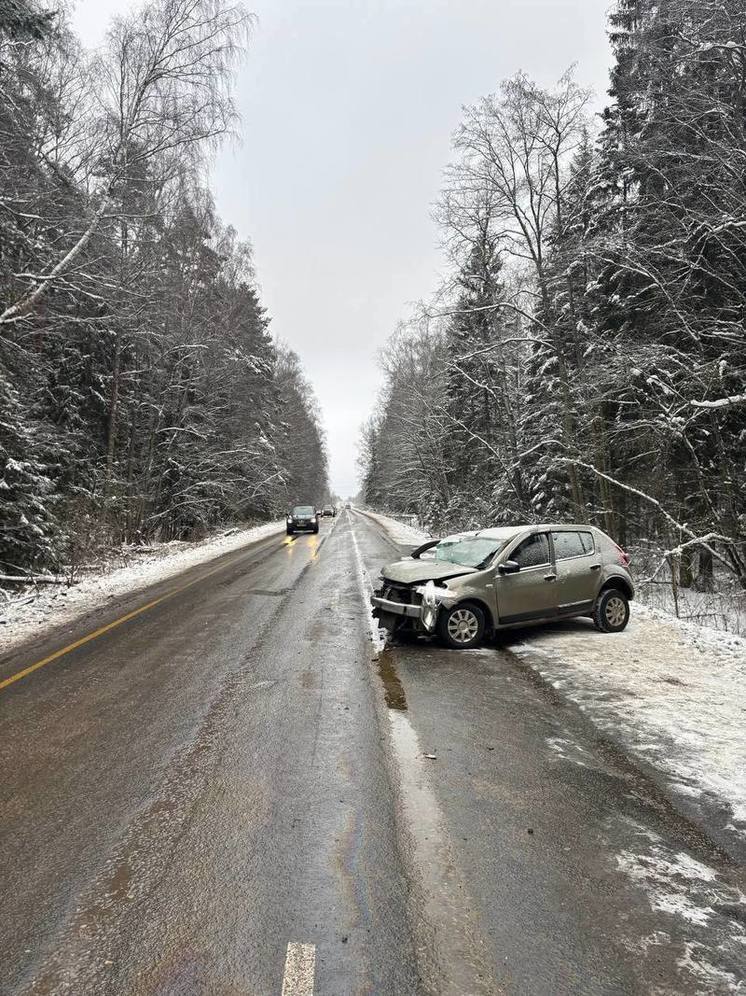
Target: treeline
x,y
141,393
587,360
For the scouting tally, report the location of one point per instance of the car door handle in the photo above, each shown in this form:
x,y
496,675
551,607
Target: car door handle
x,y
595,567
550,577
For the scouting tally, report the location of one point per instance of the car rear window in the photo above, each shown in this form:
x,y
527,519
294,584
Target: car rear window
x,y
571,544
303,510
533,551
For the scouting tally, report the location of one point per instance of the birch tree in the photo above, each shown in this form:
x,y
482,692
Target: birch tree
x,y
162,93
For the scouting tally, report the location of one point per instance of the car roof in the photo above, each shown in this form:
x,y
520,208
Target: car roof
x,y
498,533
509,532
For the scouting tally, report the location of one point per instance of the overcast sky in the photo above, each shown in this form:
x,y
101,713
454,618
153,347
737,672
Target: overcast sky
x,y
347,111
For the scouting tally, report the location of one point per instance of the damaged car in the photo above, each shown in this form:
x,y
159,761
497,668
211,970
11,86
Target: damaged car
x,y
467,586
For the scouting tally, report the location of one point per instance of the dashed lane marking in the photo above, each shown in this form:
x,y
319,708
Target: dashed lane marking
x,y
300,969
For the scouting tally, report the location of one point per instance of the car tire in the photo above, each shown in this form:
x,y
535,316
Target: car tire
x,y
462,627
290,532
316,529
611,611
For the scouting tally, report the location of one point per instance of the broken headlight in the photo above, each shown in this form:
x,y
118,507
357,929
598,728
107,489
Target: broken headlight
x,y
429,612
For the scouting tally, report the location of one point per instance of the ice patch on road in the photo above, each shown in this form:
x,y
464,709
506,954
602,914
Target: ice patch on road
x,y
705,910
696,961
567,750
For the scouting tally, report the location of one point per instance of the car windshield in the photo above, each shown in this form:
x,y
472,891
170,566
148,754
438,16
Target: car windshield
x,y
303,510
470,551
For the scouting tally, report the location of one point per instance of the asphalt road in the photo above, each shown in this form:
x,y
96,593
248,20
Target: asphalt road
x,y
236,772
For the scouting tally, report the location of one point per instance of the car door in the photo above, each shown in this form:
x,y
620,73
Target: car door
x,y
577,565
530,593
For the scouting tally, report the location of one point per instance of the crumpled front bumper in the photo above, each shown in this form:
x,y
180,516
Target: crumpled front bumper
x,y
426,612
395,608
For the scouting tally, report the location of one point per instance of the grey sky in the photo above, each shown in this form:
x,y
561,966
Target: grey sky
x,y
347,110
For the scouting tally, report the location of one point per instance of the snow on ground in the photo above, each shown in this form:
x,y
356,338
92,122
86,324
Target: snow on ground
x,y
703,907
34,613
366,590
723,607
673,694
405,533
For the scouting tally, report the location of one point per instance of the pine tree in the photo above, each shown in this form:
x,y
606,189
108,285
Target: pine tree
x,y
29,529
24,19
474,376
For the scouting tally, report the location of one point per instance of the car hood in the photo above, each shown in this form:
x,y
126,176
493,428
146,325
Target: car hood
x,y
411,571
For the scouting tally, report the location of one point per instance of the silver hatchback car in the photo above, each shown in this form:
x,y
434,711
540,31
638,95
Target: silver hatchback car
x,y
473,583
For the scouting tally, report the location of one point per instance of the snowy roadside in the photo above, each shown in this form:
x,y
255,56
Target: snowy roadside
x,y
401,533
48,607
670,693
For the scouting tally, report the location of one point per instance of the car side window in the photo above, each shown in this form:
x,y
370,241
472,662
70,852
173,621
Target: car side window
x,y
587,540
571,544
532,552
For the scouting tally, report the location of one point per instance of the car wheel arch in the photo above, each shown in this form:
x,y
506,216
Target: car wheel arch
x,y
616,581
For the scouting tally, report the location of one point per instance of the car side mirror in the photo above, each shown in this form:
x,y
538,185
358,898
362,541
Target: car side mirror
x,y
417,553
509,567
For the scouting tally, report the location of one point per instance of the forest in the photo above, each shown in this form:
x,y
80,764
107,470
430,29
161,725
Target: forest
x,y
585,357
142,395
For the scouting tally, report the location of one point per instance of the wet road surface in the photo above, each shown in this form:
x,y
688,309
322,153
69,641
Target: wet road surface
x,y
237,769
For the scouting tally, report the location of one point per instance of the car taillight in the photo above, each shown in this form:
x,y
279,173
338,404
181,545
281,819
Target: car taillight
x,y
622,557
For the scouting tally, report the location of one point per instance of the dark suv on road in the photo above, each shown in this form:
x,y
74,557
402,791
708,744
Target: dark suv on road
x,y
467,585
303,518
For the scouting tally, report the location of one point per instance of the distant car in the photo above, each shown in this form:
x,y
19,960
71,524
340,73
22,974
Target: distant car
x,y
329,510
474,583
303,518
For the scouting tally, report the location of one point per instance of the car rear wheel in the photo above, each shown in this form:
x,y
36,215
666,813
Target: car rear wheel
x,y
462,627
611,611
290,531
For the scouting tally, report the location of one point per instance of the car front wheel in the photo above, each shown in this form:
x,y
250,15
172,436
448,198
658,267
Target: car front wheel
x,y
611,611
462,627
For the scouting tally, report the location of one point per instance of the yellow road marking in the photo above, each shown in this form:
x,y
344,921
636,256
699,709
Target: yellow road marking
x,y
104,629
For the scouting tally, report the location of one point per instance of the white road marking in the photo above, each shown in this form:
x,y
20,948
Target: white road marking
x,y
366,590
300,968
446,903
